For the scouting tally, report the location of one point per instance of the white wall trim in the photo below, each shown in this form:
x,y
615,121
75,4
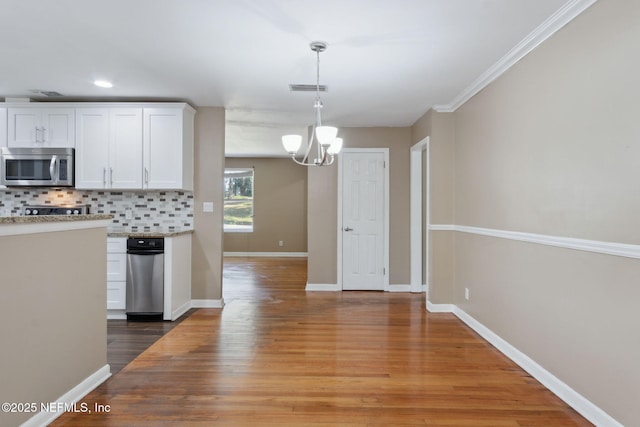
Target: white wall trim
x,y
180,310
207,303
596,246
574,399
268,254
419,260
333,287
43,419
439,308
442,227
401,288
14,228
545,30
571,397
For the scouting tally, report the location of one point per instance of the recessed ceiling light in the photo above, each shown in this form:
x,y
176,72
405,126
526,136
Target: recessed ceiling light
x,y
103,83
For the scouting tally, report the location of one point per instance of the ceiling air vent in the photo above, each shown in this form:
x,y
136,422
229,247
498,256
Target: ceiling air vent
x,y
307,88
50,93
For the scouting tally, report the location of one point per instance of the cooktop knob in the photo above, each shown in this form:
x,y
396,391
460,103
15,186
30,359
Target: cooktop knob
x,y
27,212
76,212
68,212
35,211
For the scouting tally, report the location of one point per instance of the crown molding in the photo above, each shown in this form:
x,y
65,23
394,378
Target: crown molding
x,y
562,17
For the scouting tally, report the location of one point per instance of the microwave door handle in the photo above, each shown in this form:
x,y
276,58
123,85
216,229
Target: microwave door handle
x,y
52,169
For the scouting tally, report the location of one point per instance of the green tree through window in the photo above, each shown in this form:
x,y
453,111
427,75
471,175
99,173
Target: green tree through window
x,y
238,199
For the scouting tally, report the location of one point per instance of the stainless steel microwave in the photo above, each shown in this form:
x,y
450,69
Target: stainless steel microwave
x,y
37,167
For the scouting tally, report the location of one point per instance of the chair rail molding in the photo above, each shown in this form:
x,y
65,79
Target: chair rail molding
x,y
608,248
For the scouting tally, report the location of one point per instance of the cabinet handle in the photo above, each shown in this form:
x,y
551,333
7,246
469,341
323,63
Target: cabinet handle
x,y
146,176
104,177
44,134
37,136
111,176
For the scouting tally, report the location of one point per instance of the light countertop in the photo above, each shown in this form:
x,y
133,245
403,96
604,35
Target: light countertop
x,y
52,218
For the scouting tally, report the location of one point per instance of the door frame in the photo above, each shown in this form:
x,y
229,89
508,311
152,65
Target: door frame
x,y
385,152
418,260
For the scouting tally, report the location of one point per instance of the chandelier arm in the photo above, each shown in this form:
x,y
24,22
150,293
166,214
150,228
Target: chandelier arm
x,y
301,163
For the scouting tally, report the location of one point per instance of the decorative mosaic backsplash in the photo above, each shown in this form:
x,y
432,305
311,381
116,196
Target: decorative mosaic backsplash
x,y
147,210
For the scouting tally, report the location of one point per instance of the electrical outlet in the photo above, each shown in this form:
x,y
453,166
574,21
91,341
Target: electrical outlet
x,y
207,207
466,294
281,243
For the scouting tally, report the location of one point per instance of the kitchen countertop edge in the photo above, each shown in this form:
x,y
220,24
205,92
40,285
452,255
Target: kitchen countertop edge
x,y
148,234
53,218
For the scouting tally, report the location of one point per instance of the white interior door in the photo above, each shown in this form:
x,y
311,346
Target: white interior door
x,y
363,222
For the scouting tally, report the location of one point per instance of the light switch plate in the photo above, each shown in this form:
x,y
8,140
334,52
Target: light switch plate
x,y
207,207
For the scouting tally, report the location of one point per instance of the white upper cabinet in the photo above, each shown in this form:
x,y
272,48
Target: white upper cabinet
x,y
3,127
41,127
109,148
119,146
168,148
125,148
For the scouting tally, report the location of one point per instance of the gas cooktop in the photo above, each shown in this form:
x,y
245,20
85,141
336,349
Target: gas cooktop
x,y
31,210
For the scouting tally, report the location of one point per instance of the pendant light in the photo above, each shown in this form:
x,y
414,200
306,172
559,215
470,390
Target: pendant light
x,y
324,137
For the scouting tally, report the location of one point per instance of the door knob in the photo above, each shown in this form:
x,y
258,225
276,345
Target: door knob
x,y
348,229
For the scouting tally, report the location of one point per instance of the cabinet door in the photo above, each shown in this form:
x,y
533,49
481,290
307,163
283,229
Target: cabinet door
x,y
23,124
116,267
92,147
41,127
162,148
58,127
3,127
116,295
125,148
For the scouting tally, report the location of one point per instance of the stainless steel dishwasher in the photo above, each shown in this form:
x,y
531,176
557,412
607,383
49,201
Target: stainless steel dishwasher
x,y
145,279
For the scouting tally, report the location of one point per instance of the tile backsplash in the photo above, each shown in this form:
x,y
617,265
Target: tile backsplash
x,y
133,211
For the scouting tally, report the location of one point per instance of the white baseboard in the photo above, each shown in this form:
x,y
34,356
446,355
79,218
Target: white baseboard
x,y
425,288
42,419
439,308
399,288
574,399
322,287
116,315
207,303
268,254
180,310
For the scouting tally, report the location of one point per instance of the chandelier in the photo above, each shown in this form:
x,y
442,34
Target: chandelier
x,y
327,145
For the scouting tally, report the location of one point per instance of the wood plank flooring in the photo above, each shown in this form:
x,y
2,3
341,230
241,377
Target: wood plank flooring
x,y
279,356
126,340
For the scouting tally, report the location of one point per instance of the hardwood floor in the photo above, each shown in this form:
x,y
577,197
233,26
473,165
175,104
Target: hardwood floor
x,y
279,356
126,340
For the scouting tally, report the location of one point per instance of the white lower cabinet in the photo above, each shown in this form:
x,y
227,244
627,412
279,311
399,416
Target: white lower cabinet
x,y
116,273
177,276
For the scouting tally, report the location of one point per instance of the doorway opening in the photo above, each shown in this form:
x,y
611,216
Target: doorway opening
x,y
420,216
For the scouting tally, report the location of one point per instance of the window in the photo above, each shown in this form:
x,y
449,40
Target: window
x,y
238,199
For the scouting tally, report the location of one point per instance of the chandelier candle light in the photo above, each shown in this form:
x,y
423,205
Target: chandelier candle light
x,y
327,143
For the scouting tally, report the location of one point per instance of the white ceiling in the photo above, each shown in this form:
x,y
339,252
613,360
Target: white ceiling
x,y
387,63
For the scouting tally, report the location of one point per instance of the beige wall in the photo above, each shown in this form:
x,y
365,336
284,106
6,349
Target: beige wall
x,y
322,205
280,207
206,273
53,315
440,129
552,147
